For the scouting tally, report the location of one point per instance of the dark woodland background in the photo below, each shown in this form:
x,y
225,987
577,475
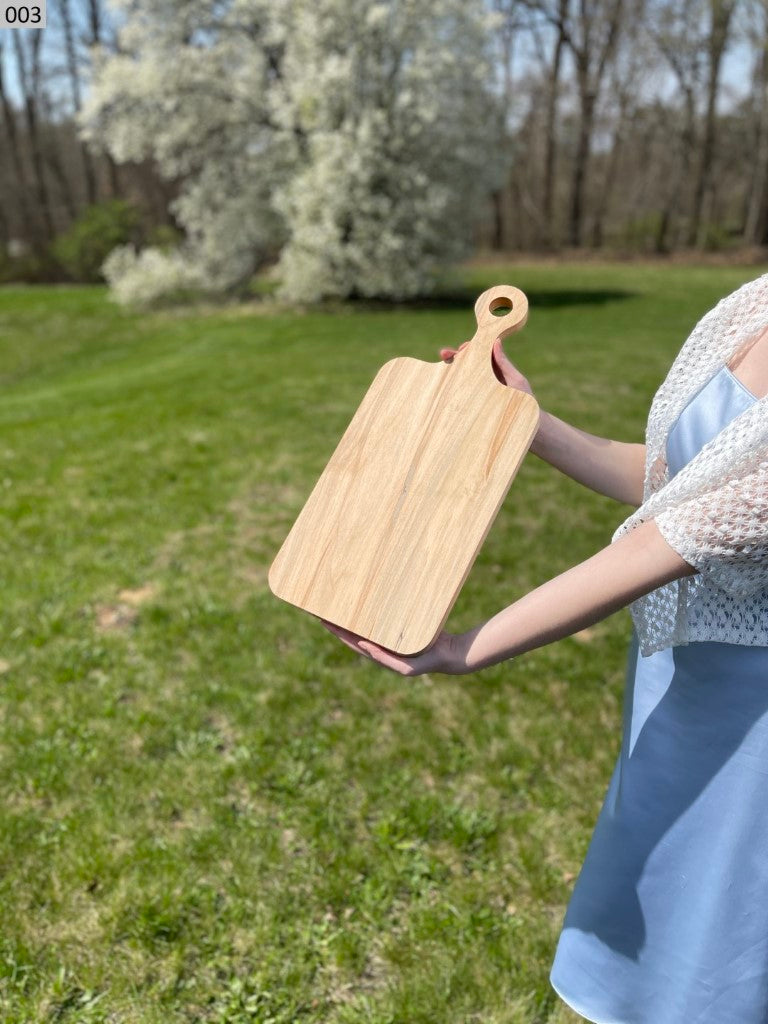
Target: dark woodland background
x,y
623,136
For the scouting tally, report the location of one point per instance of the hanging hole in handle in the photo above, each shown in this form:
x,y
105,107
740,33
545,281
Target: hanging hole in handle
x,y
501,305
502,308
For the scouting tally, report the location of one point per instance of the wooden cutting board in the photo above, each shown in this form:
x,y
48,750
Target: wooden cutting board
x,y
392,528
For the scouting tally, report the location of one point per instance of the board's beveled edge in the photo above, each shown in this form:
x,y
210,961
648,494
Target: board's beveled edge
x,y
424,639
381,374
523,398
279,579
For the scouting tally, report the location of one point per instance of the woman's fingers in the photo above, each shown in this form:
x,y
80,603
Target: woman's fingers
x,y
502,367
359,643
352,640
404,666
448,353
506,371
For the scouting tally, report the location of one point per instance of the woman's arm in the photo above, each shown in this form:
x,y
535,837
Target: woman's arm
x,y
634,565
613,468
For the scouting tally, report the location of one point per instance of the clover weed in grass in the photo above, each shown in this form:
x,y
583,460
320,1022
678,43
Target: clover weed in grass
x,y
214,812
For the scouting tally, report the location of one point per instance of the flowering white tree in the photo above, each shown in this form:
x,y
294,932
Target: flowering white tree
x,y
355,137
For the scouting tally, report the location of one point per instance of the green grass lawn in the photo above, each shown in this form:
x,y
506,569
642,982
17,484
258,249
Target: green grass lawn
x,y
212,811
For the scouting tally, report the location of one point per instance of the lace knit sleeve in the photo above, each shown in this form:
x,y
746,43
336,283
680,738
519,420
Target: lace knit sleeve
x,y
723,533
714,514
714,511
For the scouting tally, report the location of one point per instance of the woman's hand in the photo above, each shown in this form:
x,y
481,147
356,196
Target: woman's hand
x,y
630,567
505,371
446,655
613,468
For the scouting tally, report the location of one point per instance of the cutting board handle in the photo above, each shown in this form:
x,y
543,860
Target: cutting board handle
x,y
491,325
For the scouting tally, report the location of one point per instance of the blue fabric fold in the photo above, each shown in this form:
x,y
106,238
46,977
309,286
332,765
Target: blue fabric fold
x,y
668,921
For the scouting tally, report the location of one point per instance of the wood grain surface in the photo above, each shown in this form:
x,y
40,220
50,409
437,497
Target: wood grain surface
x,y
391,529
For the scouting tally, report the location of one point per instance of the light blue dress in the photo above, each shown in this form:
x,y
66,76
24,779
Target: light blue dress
x,y
668,921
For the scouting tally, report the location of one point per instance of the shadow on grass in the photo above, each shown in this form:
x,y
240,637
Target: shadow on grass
x,y
461,298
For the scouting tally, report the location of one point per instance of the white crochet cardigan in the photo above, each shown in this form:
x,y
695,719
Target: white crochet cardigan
x,y
714,512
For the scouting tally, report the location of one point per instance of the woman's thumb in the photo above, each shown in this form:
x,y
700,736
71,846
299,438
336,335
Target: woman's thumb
x,y
501,365
500,355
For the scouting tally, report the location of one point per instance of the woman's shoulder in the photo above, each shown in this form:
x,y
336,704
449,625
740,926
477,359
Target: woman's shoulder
x,y
737,316
718,336
748,299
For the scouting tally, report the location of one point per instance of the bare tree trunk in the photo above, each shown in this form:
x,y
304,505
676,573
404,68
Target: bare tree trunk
x,y
9,120
586,122
50,145
609,181
74,82
95,24
591,56
498,236
5,230
672,206
115,185
722,11
627,72
94,20
757,192
30,109
500,199
550,152
60,177
676,33
497,233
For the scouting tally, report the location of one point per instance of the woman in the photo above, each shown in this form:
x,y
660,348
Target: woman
x,y
668,922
